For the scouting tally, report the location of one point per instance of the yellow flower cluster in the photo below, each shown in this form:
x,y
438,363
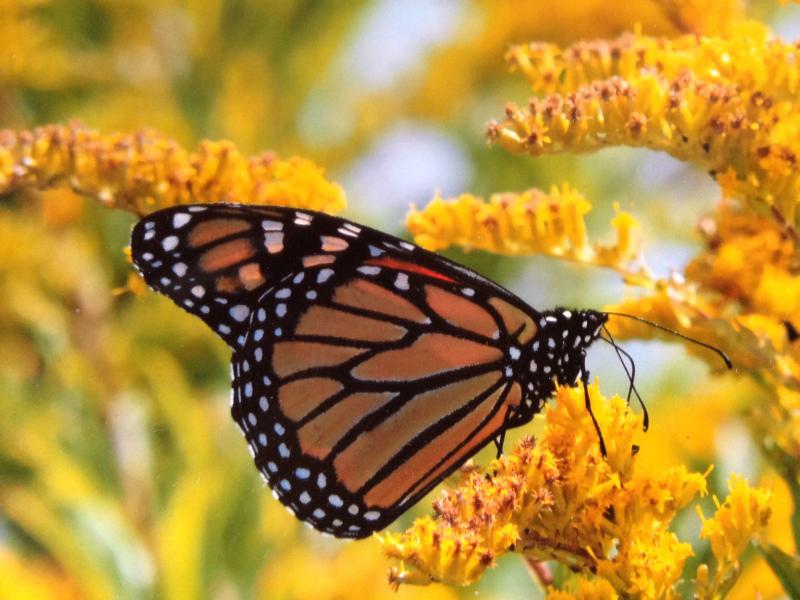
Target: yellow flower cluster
x,y
727,104
743,515
741,294
585,589
529,222
724,99
145,171
559,499
750,260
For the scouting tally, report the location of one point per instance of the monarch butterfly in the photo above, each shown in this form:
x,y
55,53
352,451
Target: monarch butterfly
x,y
365,369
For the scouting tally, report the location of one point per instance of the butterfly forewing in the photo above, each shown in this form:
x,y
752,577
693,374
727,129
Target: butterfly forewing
x,y
365,369
216,260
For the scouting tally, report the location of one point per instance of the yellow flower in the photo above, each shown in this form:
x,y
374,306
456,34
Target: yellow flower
x,y
744,514
585,589
725,103
145,171
526,223
559,499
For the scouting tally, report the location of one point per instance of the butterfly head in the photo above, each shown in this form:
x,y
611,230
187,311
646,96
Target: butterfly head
x,y
560,344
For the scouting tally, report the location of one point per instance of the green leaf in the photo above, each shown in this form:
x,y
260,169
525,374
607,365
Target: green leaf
x,y
785,566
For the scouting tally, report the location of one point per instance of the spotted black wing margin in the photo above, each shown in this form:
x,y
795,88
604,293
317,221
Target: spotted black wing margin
x,y
215,260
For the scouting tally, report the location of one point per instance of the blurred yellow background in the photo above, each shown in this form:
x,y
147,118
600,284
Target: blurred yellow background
x,y
121,473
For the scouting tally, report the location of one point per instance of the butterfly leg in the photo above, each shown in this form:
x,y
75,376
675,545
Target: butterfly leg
x,y
501,438
585,381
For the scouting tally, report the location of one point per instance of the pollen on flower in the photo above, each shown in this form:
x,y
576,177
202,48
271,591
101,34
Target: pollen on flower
x,y
726,104
146,171
559,499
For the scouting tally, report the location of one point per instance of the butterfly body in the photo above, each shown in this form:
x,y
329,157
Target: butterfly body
x,y
365,369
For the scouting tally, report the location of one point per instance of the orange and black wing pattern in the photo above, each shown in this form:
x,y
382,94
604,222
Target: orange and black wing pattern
x,y
365,369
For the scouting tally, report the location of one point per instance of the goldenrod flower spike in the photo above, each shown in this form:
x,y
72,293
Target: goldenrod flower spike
x,y
750,58
726,104
559,499
145,171
742,516
750,261
524,223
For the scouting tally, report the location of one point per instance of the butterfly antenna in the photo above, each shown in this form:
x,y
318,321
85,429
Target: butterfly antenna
x,y
631,376
722,355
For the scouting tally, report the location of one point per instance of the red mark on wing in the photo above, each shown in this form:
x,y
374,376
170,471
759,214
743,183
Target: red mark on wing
x,y
402,265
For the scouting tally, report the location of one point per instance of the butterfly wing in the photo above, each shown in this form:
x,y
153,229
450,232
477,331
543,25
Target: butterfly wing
x,y
216,260
367,370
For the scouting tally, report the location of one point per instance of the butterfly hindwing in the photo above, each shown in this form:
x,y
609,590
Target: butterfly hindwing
x,y
358,389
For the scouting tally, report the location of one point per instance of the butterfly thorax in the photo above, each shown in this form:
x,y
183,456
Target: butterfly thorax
x,y
557,352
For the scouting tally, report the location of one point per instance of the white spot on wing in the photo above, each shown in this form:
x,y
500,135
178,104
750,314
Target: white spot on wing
x,y
239,312
347,232
273,241
180,219
272,225
169,243
401,283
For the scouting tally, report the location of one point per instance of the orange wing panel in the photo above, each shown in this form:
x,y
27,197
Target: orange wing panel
x,y
216,229
289,358
394,487
227,254
514,319
430,354
298,398
321,320
250,275
357,463
461,312
321,434
366,295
